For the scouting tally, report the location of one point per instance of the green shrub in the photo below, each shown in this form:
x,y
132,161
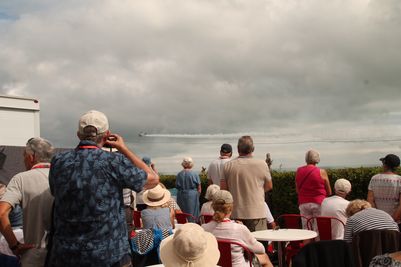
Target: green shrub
x,y
283,198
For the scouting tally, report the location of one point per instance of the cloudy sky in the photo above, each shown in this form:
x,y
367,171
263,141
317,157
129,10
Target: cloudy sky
x,y
194,74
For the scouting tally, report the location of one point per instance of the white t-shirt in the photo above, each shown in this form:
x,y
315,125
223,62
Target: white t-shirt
x,y
215,170
335,206
269,216
238,233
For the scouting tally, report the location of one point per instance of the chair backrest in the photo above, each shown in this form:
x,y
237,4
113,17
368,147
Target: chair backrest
x,y
292,221
205,218
367,244
137,219
333,253
324,226
225,252
183,217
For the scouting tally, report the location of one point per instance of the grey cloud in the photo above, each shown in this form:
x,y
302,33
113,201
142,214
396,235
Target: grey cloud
x,y
205,66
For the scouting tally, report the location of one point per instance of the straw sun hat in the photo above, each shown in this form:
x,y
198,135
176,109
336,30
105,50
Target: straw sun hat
x,y
190,246
156,196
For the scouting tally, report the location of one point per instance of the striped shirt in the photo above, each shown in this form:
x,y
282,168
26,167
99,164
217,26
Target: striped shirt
x,y
368,219
386,190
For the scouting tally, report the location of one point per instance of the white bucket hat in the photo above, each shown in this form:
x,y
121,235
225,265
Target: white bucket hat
x,y
190,246
156,196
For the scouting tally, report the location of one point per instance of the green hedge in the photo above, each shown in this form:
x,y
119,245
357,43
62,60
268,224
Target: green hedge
x,y
283,198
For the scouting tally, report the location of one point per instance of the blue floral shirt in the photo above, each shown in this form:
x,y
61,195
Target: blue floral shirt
x,y
89,218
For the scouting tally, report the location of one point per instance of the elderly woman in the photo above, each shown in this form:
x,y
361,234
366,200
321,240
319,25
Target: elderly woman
x,y
207,206
312,185
222,227
188,188
362,217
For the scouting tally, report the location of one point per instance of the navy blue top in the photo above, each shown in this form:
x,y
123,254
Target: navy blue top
x,y
89,218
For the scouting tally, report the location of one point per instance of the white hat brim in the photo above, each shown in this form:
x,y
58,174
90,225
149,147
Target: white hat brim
x,y
169,257
166,197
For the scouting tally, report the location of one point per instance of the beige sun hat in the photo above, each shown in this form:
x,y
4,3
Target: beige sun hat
x,y
190,246
156,196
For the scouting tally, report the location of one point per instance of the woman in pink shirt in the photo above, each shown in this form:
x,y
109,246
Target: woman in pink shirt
x,y
312,185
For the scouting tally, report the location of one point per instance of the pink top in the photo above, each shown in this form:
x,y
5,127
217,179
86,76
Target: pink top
x,y
310,185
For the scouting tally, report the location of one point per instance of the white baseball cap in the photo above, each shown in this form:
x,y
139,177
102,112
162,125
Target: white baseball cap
x,y
95,119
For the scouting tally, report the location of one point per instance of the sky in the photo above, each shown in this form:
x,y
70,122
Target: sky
x,y
195,74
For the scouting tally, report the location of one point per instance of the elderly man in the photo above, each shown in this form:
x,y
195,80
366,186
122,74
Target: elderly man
x,y
336,205
30,189
247,179
87,183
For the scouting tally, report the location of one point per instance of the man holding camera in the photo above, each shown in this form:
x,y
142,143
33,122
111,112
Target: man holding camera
x,y
87,183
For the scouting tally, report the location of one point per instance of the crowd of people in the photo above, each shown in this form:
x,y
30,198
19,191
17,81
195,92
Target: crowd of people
x,y
75,207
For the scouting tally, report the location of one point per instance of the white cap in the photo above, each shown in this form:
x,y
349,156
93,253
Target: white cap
x,y
342,185
95,119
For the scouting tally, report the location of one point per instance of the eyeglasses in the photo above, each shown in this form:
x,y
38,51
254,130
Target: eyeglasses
x,y
28,143
30,140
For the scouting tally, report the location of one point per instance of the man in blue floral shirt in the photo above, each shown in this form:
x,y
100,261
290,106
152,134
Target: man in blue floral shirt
x,y
87,183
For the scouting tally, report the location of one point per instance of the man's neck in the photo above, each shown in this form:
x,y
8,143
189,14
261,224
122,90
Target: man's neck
x,y
245,155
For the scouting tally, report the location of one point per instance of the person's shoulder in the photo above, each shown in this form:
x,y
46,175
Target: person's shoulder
x,y
63,154
208,227
22,175
377,176
233,160
239,227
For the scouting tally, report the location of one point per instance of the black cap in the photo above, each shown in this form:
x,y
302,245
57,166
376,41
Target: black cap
x,y
226,148
391,161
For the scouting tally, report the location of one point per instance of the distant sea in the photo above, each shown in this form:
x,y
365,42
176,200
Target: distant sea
x,y
168,150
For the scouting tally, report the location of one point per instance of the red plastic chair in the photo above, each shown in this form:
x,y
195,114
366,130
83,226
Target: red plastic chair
x,y
205,218
292,221
183,217
324,226
137,219
225,252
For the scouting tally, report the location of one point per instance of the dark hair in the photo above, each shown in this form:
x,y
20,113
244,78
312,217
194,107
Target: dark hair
x,y
245,145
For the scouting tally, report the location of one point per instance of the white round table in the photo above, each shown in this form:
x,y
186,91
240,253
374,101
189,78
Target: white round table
x,y
283,235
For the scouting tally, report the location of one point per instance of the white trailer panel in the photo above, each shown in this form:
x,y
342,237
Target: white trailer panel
x,y
19,120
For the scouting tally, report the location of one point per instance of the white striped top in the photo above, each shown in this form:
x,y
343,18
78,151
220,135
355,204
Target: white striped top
x,y
368,219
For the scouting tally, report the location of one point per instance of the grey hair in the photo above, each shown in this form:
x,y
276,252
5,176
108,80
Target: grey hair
x,y
211,191
187,163
90,134
312,157
41,148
